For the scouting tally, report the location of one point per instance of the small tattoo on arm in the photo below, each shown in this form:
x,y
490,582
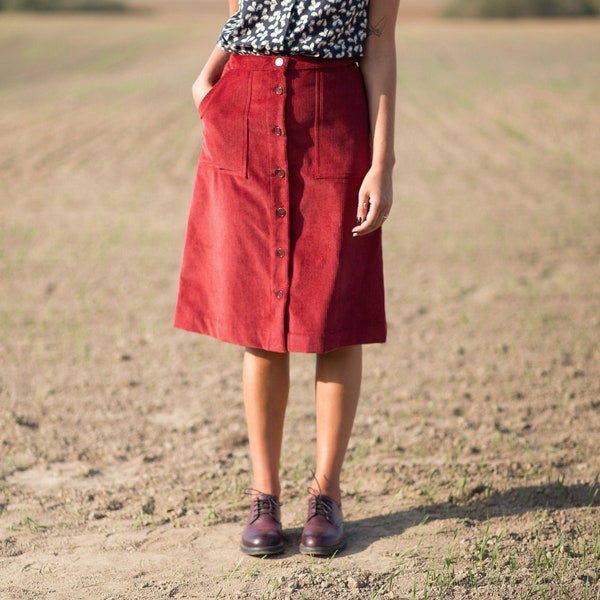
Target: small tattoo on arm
x,y
376,29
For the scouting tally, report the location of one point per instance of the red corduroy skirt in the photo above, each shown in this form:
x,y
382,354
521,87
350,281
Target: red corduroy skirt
x,y
269,259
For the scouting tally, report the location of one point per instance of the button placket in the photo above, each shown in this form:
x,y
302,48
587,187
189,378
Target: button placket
x,y
279,186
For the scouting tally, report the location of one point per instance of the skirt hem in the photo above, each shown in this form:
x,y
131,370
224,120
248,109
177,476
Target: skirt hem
x,y
299,342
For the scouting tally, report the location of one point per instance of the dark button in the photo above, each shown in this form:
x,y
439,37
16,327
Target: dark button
x,y
279,90
280,172
281,212
280,252
279,294
277,130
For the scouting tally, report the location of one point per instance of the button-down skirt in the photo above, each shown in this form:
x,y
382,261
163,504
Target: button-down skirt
x,y
269,259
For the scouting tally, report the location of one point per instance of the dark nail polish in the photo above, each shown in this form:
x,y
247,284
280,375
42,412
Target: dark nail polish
x,y
358,220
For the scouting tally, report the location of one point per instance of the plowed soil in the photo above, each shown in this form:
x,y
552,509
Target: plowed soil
x,y
473,468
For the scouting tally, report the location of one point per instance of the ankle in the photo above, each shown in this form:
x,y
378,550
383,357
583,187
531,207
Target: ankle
x,y
260,488
332,492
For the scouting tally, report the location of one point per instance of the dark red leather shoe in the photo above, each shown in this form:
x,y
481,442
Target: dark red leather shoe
x,y
323,533
262,534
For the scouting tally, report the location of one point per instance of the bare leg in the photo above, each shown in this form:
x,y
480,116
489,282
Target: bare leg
x,y
266,386
337,389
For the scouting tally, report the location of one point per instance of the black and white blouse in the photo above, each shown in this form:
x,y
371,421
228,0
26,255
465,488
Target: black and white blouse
x,y
322,28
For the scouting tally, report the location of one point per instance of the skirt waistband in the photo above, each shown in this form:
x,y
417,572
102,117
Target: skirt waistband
x,y
274,62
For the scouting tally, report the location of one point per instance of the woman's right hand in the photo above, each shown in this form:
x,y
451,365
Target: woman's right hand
x,y
210,74
200,88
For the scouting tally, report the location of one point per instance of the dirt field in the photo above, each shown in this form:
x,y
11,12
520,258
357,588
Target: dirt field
x,y
473,470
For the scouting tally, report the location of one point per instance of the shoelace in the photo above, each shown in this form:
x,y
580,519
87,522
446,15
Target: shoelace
x,y
322,506
263,504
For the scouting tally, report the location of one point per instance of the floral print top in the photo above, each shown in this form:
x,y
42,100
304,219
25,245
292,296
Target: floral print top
x,y
321,28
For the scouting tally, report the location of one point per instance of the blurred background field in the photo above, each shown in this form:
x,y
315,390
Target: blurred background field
x,y
473,469
450,8
63,5
520,8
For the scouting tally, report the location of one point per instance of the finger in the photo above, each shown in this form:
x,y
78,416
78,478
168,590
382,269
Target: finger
x,y
366,203
368,224
362,218
375,219
362,209
375,214
381,211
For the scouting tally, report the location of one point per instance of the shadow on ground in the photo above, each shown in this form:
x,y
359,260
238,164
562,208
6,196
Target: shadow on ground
x,y
481,504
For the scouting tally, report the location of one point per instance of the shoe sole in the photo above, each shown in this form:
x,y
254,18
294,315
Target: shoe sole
x,y
322,550
261,550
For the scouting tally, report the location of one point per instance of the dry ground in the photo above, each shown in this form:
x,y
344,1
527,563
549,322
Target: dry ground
x,y
473,470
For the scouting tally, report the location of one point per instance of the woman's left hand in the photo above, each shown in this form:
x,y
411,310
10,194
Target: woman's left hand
x,y
375,199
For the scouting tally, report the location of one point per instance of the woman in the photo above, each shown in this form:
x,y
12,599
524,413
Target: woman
x,y
283,248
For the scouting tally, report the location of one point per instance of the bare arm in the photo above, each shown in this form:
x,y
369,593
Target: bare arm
x,y
213,68
378,66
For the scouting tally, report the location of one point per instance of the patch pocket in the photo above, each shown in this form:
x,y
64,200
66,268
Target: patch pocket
x,y
224,114
342,132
